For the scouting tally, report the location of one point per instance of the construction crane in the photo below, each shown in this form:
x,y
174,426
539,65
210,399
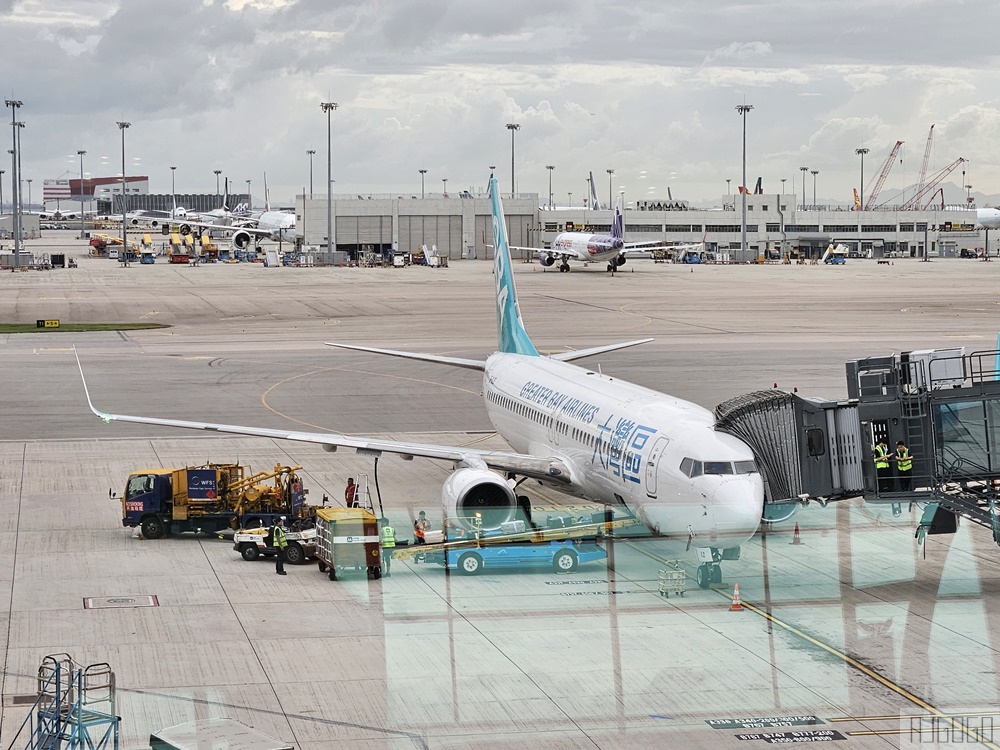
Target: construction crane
x,y
927,156
915,202
883,173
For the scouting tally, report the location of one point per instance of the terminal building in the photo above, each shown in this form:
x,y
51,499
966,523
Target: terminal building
x,y
777,225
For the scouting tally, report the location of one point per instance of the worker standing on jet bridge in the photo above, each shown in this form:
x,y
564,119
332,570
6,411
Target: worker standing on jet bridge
x,y
880,452
904,466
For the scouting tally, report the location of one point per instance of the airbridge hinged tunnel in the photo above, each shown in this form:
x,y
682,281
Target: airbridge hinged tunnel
x,y
943,404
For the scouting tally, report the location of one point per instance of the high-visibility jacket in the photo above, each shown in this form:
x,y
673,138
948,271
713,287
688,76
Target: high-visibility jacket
x,y
388,537
904,462
881,457
278,537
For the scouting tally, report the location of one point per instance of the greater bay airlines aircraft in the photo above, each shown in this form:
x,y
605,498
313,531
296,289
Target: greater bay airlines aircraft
x,y
574,429
589,248
988,218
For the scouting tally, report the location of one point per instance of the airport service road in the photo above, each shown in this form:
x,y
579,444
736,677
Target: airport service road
x,y
845,629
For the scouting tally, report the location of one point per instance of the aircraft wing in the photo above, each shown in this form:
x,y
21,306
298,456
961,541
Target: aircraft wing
x,y
560,253
551,469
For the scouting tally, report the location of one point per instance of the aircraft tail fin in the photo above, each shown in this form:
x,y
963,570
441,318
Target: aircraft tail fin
x,y
512,338
267,195
225,198
618,220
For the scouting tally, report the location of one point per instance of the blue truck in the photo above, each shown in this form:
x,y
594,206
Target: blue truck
x,y
562,556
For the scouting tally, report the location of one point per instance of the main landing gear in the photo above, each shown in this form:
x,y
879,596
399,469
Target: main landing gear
x,y
707,574
564,267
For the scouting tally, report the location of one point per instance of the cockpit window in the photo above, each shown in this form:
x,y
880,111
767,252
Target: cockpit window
x,y
691,467
746,467
718,467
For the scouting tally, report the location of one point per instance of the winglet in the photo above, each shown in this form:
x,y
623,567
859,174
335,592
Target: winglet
x,y
103,415
511,336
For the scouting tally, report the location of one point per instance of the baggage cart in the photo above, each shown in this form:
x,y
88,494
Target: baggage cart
x,y
348,539
673,580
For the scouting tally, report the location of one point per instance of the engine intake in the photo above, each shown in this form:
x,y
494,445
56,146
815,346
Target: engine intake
x,y
478,498
546,260
242,240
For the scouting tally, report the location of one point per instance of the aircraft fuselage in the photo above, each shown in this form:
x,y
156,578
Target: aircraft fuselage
x,y
630,443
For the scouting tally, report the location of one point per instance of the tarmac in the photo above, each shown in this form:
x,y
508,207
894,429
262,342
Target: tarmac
x,y
856,634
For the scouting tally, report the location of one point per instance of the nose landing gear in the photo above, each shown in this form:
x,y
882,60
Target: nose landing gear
x,y
707,574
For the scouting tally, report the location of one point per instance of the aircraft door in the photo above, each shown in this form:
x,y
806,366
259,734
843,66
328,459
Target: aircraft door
x,y
651,463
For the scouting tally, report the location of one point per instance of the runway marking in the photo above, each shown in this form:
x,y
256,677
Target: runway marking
x,y
40,349
150,314
263,398
884,681
910,716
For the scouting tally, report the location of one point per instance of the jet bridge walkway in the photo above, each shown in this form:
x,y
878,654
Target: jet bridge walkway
x,y
944,405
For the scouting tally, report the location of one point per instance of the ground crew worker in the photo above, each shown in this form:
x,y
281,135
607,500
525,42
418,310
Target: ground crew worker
x,y
351,494
883,469
280,543
420,528
904,466
388,542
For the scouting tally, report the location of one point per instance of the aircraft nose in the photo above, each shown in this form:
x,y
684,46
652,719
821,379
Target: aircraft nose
x,y
738,505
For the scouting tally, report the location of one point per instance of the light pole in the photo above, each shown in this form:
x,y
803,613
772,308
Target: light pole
x,y
803,170
29,193
570,200
123,126
782,185
610,196
968,195
743,109
814,172
444,189
550,167
512,126
82,194
311,152
250,196
728,191
422,173
14,104
328,107
2,173
217,172
861,192
173,193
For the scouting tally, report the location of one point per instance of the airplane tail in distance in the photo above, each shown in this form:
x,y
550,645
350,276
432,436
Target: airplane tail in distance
x,y
595,202
618,220
225,197
511,336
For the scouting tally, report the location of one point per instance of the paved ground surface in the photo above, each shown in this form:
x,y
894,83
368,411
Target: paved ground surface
x,y
857,626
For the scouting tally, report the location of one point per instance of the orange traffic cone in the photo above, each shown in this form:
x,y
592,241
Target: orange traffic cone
x,y
796,538
736,606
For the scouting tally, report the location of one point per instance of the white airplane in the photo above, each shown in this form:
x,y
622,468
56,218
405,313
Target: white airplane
x,y
988,218
590,248
221,216
574,429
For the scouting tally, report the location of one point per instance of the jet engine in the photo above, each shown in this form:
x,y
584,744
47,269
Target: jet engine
x,y
620,261
185,229
478,498
242,240
546,260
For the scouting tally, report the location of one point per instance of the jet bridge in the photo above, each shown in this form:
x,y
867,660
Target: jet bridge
x,y
943,404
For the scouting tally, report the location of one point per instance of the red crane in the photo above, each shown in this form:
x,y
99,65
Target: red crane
x,y
935,179
883,173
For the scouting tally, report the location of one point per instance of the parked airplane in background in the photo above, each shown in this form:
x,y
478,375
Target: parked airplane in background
x,y
221,216
587,247
576,430
988,218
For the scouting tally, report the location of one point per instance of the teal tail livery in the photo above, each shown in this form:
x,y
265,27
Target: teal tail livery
x,y
511,336
650,456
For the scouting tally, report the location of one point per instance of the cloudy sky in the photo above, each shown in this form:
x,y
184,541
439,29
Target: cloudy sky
x,y
648,88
